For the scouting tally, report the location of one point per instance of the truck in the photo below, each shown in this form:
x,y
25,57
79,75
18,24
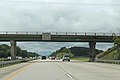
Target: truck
x,y
66,57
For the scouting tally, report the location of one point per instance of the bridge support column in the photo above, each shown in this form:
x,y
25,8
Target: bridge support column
x,y
13,49
92,51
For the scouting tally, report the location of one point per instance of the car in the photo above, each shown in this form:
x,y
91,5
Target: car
x,y
66,57
43,58
57,58
52,58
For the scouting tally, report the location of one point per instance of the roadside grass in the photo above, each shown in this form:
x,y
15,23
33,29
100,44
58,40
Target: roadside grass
x,y
4,59
81,59
107,52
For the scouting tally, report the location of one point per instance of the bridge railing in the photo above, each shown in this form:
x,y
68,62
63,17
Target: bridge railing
x,y
61,33
84,33
19,32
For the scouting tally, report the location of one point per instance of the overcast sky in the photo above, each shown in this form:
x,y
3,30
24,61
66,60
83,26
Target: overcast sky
x,y
59,16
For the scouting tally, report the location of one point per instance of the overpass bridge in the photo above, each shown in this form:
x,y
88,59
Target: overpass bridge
x,y
92,38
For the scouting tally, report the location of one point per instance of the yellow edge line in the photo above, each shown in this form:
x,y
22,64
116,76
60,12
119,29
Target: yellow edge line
x,y
16,73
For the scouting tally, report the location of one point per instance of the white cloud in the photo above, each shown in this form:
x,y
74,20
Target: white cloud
x,y
57,17
36,16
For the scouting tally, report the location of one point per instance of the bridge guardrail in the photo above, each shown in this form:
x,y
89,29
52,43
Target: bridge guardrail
x,y
109,61
60,33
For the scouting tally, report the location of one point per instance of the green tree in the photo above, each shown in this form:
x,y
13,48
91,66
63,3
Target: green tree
x,y
24,53
18,51
63,53
117,41
66,50
5,51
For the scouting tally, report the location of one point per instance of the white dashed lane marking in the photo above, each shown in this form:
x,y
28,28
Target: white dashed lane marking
x,y
66,73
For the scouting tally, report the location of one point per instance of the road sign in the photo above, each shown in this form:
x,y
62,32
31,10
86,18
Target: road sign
x,y
46,36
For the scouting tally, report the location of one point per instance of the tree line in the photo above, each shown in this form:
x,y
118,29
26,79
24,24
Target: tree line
x,y
5,52
74,52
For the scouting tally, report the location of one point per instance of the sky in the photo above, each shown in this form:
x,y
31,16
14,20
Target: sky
x,y
59,16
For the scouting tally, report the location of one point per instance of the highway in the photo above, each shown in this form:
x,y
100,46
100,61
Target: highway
x,y
58,70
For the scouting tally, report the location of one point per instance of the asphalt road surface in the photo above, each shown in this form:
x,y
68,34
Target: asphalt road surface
x,y
58,70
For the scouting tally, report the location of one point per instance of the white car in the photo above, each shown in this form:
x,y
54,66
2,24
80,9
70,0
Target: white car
x,y
66,57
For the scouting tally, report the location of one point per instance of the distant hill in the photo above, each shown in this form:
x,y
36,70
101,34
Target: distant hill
x,y
76,51
82,51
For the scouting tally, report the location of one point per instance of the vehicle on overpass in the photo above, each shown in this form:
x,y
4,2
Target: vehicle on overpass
x,y
66,57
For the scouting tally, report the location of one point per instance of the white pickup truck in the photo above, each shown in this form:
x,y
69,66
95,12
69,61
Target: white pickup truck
x,y
66,57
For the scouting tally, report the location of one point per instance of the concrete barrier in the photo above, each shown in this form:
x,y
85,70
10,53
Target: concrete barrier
x,y
109,61
11,62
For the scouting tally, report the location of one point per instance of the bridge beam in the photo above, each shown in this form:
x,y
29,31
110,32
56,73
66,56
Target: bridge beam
x,y
92,46
13,49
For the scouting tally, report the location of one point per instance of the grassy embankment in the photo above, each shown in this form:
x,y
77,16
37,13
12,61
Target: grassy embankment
x,y
110,54
81,59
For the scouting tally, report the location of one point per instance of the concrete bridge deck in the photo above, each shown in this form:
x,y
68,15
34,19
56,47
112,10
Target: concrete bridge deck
x,y
57,36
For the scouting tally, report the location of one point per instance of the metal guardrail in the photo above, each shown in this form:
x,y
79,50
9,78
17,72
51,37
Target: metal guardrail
x,y
61,33
109,61
5,63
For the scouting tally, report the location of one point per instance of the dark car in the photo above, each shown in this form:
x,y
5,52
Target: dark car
x,y
43,57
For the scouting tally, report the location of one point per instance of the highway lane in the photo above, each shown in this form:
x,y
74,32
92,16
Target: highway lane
x,y
58,70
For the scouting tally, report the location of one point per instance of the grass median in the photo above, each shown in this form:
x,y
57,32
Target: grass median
x,y
81,59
